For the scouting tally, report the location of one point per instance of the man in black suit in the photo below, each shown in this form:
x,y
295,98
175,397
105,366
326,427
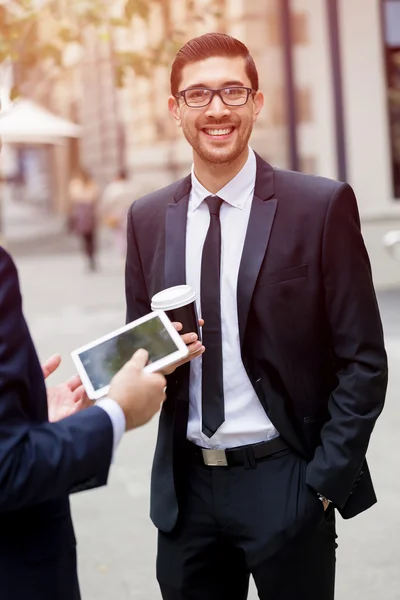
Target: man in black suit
x,y
266,433
41,463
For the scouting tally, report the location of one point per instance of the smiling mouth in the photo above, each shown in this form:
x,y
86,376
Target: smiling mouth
x,y
218,132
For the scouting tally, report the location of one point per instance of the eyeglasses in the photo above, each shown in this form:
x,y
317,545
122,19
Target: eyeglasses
x,y
230,96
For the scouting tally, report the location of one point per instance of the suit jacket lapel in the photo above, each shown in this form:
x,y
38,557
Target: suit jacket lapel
x,y
175,274
175,236
261,219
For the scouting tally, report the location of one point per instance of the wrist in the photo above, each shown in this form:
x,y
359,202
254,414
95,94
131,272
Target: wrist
x,y
324,498
325,501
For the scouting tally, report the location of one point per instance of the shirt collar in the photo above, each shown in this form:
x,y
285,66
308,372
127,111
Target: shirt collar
x,y
235,192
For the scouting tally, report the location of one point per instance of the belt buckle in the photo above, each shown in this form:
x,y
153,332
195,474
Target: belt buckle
x,y
214,457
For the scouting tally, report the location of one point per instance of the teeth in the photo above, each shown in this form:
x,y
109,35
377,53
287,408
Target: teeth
x,y
219,131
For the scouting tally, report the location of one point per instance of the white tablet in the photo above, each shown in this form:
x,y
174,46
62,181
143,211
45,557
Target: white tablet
x,y
98,361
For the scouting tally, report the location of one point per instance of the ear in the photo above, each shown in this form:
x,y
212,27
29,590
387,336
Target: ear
x,y
174,109
258,103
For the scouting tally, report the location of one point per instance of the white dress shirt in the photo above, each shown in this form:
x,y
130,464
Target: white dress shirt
x,y
245,419
117,418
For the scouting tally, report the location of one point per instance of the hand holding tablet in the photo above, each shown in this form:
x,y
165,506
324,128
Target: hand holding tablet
x,y
139,394
99,361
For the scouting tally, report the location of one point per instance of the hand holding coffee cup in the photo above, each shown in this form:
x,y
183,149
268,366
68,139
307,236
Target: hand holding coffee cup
x,y
179,303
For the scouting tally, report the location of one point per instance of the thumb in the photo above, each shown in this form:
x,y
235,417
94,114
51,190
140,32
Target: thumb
x,y
140,358
51,365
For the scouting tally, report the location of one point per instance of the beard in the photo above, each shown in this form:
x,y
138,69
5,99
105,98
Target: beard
x,y
223,155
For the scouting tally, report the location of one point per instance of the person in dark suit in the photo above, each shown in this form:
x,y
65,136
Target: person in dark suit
x,y
265,434
42,462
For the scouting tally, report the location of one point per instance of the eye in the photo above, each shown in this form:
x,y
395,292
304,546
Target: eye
x,y
235,92
197,94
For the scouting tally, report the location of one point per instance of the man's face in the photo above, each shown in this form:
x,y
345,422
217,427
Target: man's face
x,y
219,134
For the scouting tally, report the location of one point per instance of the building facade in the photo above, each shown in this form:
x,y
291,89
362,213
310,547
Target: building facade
x,y
330,71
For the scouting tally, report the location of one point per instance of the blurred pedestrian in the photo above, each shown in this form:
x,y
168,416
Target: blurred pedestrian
x,y
84,199
266,433
115,201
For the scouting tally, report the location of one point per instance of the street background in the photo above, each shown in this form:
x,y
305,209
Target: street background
x,y
85,84
66,307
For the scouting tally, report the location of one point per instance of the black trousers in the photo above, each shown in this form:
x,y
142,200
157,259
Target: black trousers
x,y
89,246
233,522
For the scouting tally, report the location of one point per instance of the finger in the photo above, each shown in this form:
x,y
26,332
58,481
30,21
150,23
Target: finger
x,y
74,382
86,400
197,350
178,326
140,358
193,348
160,379
190,356
83,402
201,322
189,338
78,394
78,406
159,382
50,365
195,353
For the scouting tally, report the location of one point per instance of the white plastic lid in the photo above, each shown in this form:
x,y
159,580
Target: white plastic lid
x,y
174,297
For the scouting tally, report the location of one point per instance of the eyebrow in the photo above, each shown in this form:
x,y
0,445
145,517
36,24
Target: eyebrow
x,y
224,85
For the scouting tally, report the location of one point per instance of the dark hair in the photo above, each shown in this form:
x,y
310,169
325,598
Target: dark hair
x,y
207,46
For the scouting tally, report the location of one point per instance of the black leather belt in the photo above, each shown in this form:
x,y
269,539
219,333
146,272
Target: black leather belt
x,y
245,456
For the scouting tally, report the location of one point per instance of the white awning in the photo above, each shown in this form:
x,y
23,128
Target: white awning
x,y
26,122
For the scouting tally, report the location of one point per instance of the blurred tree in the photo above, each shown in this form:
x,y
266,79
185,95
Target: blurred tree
x,y
36,33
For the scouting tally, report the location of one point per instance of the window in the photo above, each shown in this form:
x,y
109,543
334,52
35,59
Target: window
x,y
391,36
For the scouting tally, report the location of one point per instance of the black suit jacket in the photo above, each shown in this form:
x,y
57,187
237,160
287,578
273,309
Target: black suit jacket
x,y
309,324
40,464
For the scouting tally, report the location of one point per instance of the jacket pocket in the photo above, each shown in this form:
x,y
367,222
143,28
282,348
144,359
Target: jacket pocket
x,y
284,275
313,419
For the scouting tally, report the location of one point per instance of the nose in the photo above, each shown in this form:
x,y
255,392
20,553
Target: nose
x,y
217,108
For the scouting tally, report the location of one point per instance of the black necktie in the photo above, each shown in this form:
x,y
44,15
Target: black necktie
x,y
213,413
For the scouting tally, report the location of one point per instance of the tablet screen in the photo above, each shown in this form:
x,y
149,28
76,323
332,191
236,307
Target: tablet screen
x,y
103,361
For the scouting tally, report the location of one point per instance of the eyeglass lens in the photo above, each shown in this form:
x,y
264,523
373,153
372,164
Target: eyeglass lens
x,y
234,96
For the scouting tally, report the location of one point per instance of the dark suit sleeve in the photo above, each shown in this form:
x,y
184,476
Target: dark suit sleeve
x,y
39,460
357,349
137,298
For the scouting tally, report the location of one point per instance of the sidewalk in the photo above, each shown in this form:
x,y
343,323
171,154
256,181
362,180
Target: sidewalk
x,y
25,220
33,229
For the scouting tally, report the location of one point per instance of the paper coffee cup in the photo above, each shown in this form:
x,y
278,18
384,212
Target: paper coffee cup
x,y
179,303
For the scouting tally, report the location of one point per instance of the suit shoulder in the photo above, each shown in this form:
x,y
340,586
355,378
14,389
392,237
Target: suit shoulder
x,y
155,199
314,186
7,265
10,294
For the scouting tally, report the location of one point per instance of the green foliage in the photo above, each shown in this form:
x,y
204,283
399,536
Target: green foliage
x,y
140,8
24,39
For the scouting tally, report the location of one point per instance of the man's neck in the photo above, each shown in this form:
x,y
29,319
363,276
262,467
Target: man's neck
x,y
215,176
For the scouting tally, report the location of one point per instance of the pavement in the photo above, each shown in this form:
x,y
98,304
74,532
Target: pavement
x,y
65,307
